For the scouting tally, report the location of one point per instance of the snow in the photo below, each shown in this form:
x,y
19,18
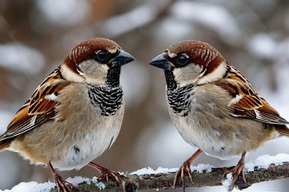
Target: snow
x,y
265,161
200,168
261,162
19,57
43,187
100,185
32,187
76,180
149,170
227,182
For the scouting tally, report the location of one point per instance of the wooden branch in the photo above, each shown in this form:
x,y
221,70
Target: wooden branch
x,y
165,180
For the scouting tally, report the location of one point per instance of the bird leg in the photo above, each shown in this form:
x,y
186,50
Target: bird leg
x,y
62,185
105,174
238,173
185,168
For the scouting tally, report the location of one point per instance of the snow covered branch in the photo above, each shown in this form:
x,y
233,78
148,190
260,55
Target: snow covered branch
x,y
264,168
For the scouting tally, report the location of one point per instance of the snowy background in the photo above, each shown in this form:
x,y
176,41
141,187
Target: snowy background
x,y
35,36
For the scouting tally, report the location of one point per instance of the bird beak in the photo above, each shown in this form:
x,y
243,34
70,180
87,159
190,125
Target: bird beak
x,y
161,62
122,58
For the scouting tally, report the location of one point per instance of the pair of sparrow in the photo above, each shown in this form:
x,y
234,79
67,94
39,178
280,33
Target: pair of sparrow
x,y
76,113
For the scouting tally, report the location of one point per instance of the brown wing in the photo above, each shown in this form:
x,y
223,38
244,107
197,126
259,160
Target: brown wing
x,y
246,102
39,108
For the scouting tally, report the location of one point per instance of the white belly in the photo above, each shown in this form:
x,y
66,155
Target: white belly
x,y
202,139
90,144
222,138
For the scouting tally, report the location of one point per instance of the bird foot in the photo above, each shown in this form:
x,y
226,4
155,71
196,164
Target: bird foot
x,y
183,170
106,174
238,175
62,185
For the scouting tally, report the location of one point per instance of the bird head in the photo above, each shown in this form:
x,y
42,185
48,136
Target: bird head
x,y
95,61
191,61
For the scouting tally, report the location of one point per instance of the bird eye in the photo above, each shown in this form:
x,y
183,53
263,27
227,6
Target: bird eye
x,y
182,60
102,56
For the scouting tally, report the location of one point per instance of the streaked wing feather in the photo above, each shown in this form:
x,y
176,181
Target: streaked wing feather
x,y
249,105
38,109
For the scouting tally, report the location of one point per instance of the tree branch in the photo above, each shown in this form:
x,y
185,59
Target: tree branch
x,y
165,180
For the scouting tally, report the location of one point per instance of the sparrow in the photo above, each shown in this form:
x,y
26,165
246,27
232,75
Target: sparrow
x,y
214,107
75,114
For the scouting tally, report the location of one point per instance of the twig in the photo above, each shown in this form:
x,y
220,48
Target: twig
x,y
165,180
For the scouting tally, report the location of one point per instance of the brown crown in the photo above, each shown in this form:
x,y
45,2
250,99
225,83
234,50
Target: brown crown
x,y
84,51
199,52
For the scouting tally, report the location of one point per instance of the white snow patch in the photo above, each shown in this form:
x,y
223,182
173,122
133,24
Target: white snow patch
x,y
265,161
148,170
100,185
46,187
227,182
32,187
200,168
77,180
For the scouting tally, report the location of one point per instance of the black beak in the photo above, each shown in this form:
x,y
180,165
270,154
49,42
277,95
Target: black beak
x,y
160,62
122,58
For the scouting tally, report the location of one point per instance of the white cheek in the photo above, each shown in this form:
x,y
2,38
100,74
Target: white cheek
x,y
90,66
215,75
187,75
94,73
178,74
70,75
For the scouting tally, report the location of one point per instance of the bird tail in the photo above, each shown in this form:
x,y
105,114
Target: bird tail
x,y
283,130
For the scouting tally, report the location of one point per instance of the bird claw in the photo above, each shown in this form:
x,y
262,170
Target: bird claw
x,y
184,169
64,186
106,174
239,178
61,184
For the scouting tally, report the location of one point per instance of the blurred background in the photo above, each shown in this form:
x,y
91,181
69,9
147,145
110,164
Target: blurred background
x,y
35,37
